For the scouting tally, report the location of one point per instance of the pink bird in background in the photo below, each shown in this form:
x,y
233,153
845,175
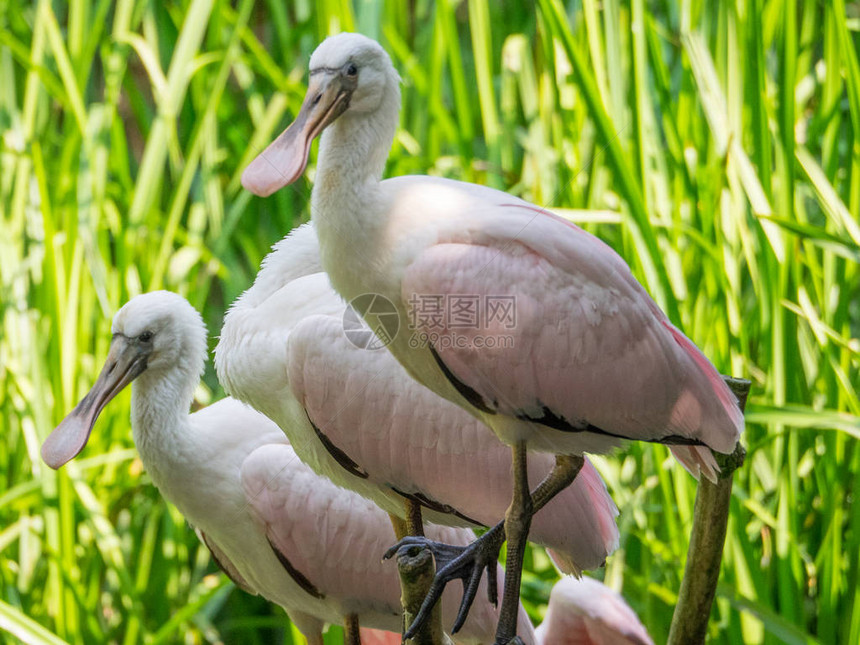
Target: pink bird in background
x,y
591,360
273,525
586,612
379,637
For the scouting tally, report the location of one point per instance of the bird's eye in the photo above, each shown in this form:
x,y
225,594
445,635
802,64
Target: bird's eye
x,y
352,70
145,337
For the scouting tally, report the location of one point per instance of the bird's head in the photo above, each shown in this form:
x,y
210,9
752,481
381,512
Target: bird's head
x,y
349,73
153,333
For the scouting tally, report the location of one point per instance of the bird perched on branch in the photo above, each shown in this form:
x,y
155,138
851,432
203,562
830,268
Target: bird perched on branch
x,y
275,527
591,361
354,414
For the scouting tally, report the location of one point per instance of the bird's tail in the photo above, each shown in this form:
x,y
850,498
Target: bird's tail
x,y
564,563
698,460
598,513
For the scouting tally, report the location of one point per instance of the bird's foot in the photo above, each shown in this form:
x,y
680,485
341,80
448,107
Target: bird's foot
x,y
457,562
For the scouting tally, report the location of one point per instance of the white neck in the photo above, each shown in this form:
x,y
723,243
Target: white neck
x,y
159,415
352,156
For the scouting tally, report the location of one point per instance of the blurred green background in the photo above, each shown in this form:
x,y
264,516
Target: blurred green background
x,y
715,145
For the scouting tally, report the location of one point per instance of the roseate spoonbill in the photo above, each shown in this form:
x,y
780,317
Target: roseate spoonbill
x,y
355,416
592,360
273,525
587,612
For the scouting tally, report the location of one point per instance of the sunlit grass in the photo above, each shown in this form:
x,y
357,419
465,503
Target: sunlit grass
x,y
719,147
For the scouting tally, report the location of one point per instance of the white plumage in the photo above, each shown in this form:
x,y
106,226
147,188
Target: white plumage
x,y
284,351
274,526
593,359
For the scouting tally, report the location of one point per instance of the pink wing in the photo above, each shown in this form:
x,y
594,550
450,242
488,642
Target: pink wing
x,y
332,540
585,348
403,436
324,532
586,612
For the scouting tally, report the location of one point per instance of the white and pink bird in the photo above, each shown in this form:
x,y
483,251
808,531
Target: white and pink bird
x,y
355,416
593,361
275,527
586,612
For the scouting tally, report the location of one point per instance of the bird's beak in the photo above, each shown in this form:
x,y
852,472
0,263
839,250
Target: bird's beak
x,y
286,157
124,363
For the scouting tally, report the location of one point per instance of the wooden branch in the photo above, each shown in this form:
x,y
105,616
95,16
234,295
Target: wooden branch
x,y
416,568
710,519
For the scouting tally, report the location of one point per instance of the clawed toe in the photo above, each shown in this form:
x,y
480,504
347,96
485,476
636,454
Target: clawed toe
x,y
442,553
456,562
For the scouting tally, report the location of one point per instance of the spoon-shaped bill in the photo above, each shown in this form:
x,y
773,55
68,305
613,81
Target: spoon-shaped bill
x,y
284,160
124,363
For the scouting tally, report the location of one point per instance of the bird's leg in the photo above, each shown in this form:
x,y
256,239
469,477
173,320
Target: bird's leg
x,y
412,525
566,469
468,563
517,523
351,630
414,522
401,529
518,520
